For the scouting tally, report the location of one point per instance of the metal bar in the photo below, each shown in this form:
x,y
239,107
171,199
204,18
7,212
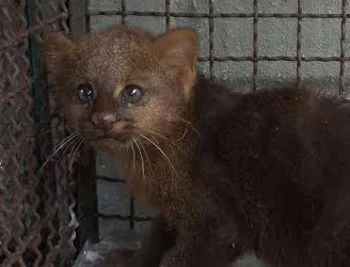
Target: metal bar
x,y
78,17
255,44
132,213
86,191
109,179
342,48
86,196
277,58
216,15
299,56
211,40
125,218
167,14
123,13
37,88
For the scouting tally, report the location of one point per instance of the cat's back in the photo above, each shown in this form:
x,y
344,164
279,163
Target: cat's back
x,y
302,130
278,140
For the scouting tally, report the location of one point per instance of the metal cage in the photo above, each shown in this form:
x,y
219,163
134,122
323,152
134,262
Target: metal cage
x,y
48,208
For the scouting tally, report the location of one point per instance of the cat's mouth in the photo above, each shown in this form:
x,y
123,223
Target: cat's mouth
x,y
113,139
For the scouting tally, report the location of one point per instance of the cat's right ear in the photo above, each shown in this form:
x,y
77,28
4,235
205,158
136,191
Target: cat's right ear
x,y
54,46
177,49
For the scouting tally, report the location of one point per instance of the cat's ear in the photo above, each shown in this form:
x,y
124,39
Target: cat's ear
x,y
178,50
54,46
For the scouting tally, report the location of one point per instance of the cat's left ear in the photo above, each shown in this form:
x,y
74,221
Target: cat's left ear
x,y
178,50
54,47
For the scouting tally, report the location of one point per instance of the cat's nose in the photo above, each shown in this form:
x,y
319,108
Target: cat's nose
x,y
104,120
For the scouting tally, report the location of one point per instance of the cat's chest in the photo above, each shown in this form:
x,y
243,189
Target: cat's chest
x,y
154,177
167,181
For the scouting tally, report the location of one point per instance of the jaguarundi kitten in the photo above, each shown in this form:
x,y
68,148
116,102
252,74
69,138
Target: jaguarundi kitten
x,y
229,172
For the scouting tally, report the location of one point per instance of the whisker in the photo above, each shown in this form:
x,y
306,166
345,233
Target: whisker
x,y
60,127
183,135
186,121
71,152
142,161
71,146
61,144
133,154
162,152
74,153
166,139
189,124
146,154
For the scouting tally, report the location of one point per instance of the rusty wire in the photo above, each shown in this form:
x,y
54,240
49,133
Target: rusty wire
x,y
37,221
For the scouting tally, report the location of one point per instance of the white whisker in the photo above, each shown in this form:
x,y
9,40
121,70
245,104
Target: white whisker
x,y
74,153
71,146
166,139
162,152
183,136
60,145
142,161
133,153
145,152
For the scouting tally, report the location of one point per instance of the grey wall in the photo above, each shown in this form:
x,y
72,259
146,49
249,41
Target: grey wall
x,y
232,36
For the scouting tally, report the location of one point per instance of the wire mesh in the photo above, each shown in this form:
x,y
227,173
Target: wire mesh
x,y
37,218
256,15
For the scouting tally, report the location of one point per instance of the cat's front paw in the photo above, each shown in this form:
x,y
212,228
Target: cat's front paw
x,y
118,258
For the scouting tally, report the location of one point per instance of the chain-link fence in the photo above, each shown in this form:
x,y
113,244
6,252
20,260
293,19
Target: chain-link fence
x,y
38,222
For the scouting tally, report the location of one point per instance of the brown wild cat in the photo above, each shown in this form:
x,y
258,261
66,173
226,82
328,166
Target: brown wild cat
x,y
229,172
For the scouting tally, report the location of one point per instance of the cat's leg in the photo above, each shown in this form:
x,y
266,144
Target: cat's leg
x,y
202,249
329,242
329,246
117,258
160,238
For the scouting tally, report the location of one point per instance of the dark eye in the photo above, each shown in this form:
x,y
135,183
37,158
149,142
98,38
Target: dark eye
x,y
85,93
132,93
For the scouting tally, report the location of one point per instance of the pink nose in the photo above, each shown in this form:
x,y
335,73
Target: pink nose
x,y
104,120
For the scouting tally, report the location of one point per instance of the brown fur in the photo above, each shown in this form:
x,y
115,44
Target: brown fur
x,y
267,170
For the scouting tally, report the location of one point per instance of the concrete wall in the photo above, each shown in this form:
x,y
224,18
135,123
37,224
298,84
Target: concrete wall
x,y
320,37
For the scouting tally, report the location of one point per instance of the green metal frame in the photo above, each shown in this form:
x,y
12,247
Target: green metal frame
x,y
86,194
85,174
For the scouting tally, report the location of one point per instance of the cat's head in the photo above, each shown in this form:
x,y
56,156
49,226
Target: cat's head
x,y
124,82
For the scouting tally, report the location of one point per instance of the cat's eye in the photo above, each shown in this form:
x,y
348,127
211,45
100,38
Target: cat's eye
x,y
132,93
85,93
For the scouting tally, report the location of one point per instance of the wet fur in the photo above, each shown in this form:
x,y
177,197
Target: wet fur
x,y
267,170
